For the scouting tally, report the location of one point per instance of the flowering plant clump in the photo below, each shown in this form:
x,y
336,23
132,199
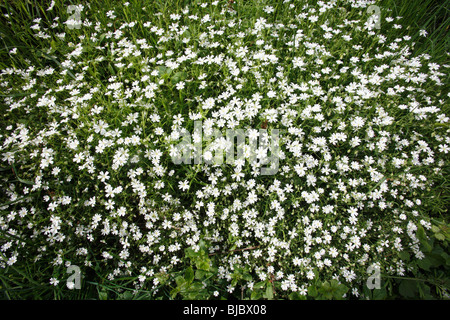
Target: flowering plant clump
x,y
95,174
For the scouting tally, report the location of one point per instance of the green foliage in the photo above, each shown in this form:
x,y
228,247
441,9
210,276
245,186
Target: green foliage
x,y
263,290
197,275
428,277
193,284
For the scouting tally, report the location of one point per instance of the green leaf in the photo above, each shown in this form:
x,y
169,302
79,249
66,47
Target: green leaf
x,y
103,295
187,34
161,70
111,69
405,256
408,288
200,274
424,264
446,258
439,236
190,253
26,181
379,294
21,180
179,76
340,291
421,235
127,295
53,45
180,281
435,229
247,276
203,264
189,275
174,292
425,291
102,37
196,286
436,259
269,291
256,295
326,291
296,296
164,72
312,291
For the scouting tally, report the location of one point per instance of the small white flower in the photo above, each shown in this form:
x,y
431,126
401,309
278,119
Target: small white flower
x,y
183,185
310,275
54,281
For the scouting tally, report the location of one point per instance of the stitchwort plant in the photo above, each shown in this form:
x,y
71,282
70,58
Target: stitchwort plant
x,y
114,118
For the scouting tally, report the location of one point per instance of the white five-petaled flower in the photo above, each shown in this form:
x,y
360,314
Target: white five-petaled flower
x,y
184,185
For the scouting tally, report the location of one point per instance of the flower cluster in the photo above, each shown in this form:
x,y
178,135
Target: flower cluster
x,y
90,135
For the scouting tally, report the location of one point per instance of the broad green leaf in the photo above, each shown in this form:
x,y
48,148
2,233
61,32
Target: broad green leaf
x,y
190,253
247,277
102,37
379,294
256,295
189,275
436,260
53,45
435,229
200,274
179,76
423,239
103,295
424,263
187,34
196,286
404,255
408,288
446,258
326,290
180,281
164,72
296,296
127,295
340,291
312,291
439,236
269,291
203,264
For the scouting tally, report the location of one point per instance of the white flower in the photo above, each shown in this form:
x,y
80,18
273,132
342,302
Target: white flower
x,y
180,85
444,148
183,185
310,275
208,103
54,281
103,176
